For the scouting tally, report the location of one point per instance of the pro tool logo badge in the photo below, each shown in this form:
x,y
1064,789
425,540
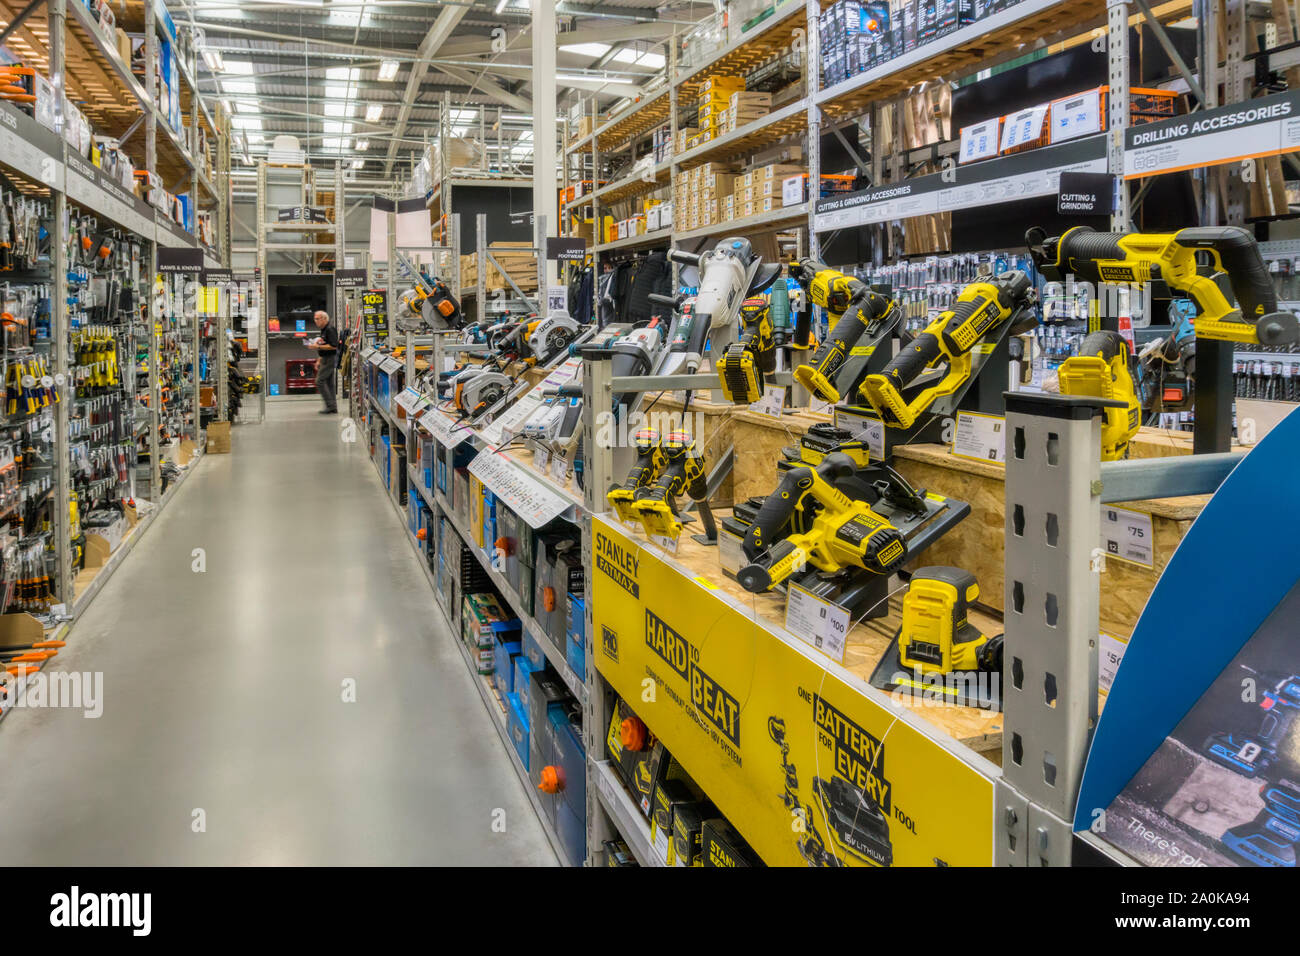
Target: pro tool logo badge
x,y
609,641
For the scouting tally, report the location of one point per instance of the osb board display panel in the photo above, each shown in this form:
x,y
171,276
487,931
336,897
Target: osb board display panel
x,y
867,643
978,543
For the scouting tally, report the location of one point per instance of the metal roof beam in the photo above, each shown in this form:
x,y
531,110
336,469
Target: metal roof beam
x,y
433,40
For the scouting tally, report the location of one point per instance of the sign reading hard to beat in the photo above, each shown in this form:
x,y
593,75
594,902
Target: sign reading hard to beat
x,y
808,763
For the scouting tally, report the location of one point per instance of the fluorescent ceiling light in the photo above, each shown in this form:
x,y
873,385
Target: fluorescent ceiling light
x,y
363,145
358,163
653,61
587,49
578,78
373,112
387,69
214,61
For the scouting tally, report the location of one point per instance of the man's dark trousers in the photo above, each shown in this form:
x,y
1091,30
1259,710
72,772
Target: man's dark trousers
x,y
326,365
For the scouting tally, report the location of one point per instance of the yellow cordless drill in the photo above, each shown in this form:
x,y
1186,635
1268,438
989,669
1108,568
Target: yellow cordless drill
x,y
983,307
844,534
855,311
937,636
649,463
1101,370
744,363
682,471
1168,259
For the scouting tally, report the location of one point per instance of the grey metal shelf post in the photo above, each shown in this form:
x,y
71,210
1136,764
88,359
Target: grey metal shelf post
x,y
1052,601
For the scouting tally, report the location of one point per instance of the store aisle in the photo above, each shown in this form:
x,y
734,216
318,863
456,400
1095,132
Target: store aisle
x,y
223,689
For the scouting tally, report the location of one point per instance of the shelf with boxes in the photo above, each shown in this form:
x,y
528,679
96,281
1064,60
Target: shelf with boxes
x,y
508,580
778,31
956,36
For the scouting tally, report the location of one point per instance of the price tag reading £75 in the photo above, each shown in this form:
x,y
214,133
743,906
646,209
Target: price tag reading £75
x,y
818,622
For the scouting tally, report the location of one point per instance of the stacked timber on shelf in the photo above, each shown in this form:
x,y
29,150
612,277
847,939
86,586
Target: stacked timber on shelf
x,y
518,260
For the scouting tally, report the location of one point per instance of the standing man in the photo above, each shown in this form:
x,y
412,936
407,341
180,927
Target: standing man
x,y
327,350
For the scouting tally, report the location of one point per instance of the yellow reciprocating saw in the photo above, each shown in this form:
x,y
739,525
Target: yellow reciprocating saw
x,y
984,307
1101,370
1169,259
844,534
649,462
855,312
743,364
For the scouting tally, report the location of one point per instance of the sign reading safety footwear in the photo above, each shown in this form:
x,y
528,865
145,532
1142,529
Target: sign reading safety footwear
x,y
807,767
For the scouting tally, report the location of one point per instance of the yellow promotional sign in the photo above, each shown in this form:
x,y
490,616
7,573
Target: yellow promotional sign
x,y
805,766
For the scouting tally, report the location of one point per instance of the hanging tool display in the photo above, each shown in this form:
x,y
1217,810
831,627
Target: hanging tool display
x,y
860,321
1168,365
681,471
649,463
1169,261
428,304
938,363
1101,370
743,364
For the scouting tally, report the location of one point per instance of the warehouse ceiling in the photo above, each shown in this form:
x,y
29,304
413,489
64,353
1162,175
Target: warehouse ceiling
x,y
364,81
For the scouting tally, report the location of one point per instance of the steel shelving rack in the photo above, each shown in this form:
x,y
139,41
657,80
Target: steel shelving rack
x,y
67,45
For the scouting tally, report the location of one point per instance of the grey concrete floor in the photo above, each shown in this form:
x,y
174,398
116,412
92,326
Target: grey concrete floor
x,y
223,689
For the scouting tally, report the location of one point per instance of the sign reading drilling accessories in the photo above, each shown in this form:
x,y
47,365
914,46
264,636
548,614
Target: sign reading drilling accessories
x,y
810,765
1262,127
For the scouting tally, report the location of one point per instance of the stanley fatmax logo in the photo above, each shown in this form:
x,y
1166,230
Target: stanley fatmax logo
x,y
859,757
710,700
617,563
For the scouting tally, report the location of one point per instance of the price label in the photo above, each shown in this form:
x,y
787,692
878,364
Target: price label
x,y
730,553
1110,651
447,432
980,141
1024,127
541,458
771,403
560,468
390,365
407,399
981,437
663,541
865,428
1127,535
518,488
817,622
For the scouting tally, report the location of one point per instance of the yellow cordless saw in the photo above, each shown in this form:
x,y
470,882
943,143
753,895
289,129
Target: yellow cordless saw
x,y
938,362
860,319
1168,260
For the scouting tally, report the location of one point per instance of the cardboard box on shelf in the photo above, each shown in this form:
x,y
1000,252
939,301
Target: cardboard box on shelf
x,y
794,189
